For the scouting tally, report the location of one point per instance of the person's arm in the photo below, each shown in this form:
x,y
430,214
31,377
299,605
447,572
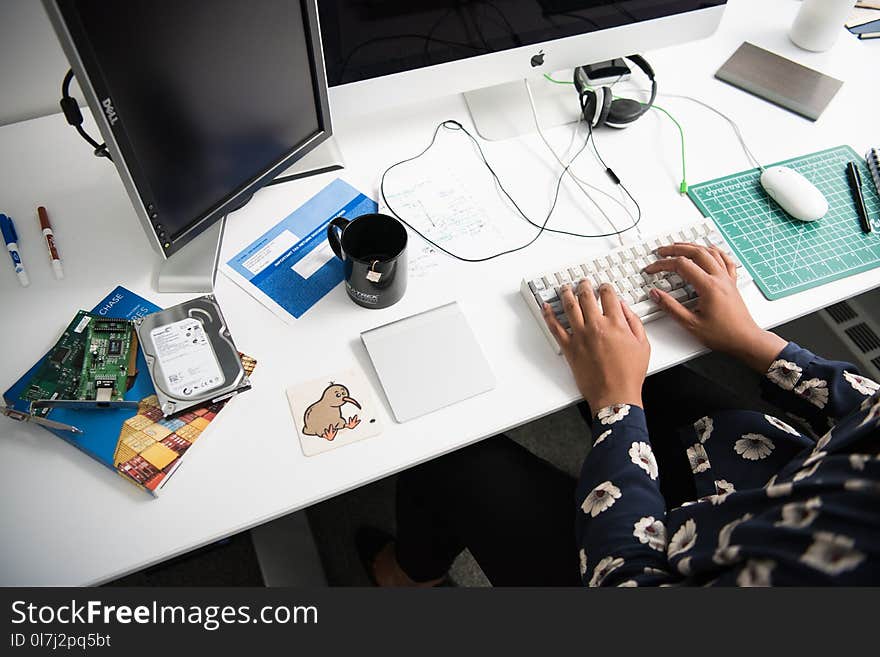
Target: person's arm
x,y
811,388
621,512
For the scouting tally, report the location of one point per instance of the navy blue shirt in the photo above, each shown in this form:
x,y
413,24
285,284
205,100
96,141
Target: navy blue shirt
x,y
778,502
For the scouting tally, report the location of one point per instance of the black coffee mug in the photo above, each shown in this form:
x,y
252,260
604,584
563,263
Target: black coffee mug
x,y
372,248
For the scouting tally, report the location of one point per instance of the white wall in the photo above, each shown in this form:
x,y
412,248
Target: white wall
x,y
32,63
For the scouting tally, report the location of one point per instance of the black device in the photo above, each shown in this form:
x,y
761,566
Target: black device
x,y
365,39
600,108
855,187
372,248
608,72
200,103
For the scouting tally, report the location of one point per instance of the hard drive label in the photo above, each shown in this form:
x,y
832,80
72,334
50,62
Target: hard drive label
x,y
189,364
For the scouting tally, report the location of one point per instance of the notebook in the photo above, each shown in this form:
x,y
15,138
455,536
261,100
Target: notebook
x,y
428,361
781,81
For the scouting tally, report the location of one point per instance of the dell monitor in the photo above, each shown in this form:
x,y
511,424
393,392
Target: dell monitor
x,y
387,52
200,103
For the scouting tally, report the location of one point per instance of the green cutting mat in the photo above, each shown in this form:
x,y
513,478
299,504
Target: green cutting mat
x,y
784,255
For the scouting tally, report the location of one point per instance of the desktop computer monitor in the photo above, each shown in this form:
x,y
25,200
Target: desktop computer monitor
x,y
381,53
201,103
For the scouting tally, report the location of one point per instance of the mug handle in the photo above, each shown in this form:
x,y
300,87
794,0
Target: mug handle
x,y
334,231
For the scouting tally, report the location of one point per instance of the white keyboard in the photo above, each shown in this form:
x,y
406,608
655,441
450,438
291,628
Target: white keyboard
x,y
622,268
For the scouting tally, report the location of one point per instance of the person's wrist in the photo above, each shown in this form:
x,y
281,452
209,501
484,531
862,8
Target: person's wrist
x,y
759,349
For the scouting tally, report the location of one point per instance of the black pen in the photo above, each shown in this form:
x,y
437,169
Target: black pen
x,y
855,186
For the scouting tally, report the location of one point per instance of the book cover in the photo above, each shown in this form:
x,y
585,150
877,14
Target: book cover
x,y
139,444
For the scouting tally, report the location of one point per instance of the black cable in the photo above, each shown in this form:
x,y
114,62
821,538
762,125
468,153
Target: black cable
x,y
542,228
75,118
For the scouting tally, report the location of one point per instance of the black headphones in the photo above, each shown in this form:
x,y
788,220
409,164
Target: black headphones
x,y
75,118
599,107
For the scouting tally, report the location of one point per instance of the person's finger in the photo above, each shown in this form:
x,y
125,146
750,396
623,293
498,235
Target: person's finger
x,y
635,324
673,308
684,267
572,308
610,303
561,335
716,253
698,254
587,300
729,264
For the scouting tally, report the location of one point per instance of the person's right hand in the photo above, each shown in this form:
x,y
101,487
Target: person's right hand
x,y
720,319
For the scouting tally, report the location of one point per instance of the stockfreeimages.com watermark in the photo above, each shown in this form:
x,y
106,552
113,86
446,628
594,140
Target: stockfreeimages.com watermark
x,y
209,617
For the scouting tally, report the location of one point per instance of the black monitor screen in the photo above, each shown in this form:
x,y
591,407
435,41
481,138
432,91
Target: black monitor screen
x,y
371,38
208,95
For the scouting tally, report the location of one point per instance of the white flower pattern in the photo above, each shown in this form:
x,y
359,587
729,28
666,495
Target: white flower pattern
x,y
650,532
861,384
602,436
798,515
779,424
601,498
756,572
683,539
857,461
684,566
723,489
612,414
874,413
779,490
832,553
704,427
814,391
698,458
754,446
726,553
642,455
809,472
784,373
583,561
604,568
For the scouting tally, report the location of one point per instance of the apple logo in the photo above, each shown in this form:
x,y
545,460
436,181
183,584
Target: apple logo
x,y
538,60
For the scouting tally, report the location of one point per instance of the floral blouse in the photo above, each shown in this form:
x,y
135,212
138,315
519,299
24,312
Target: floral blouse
x,y
776,505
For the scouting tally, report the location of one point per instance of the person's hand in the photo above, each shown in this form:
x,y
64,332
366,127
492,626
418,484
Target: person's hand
x,y
607,350
720,319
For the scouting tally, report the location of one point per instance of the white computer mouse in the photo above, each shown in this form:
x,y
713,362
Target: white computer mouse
x,y
795,194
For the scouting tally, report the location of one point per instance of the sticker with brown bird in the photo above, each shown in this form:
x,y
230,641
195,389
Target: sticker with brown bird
x,y
324,418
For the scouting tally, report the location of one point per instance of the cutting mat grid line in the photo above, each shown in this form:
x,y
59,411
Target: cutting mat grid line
x,y
783,255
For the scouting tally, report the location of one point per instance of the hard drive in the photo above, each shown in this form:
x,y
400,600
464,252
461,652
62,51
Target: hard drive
x,y
190,355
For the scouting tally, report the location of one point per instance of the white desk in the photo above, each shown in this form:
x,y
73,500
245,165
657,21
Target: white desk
x,y
66,520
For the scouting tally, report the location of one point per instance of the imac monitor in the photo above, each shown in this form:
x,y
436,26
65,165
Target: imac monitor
x,y
386,52
200,103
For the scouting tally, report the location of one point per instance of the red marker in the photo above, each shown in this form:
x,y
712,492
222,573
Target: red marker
x,y
50,242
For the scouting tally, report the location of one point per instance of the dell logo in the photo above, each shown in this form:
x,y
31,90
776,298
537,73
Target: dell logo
x,y
538,60
109,111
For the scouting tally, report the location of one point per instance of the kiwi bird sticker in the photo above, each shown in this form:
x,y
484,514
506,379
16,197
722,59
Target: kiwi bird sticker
x,y
334,414
324,418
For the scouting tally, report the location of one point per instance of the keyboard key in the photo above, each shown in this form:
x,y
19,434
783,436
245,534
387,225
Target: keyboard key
x,y
622,268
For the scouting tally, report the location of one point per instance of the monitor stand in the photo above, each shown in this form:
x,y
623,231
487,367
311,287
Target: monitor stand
x,y
503,112
194,267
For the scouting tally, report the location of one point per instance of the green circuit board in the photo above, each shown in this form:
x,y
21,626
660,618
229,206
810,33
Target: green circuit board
x,y
93,360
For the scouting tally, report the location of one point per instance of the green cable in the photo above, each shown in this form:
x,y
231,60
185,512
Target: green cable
x,y
683,187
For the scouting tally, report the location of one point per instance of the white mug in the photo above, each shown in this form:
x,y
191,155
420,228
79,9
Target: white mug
x,y
819,23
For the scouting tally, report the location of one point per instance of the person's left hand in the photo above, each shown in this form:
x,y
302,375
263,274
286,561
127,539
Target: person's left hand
x,y
607,350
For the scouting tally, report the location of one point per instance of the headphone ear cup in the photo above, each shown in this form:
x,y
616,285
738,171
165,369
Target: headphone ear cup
x,y
588,105
605,99
624,111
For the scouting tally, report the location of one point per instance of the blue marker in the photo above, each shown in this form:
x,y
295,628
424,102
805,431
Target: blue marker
x,y
11,239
